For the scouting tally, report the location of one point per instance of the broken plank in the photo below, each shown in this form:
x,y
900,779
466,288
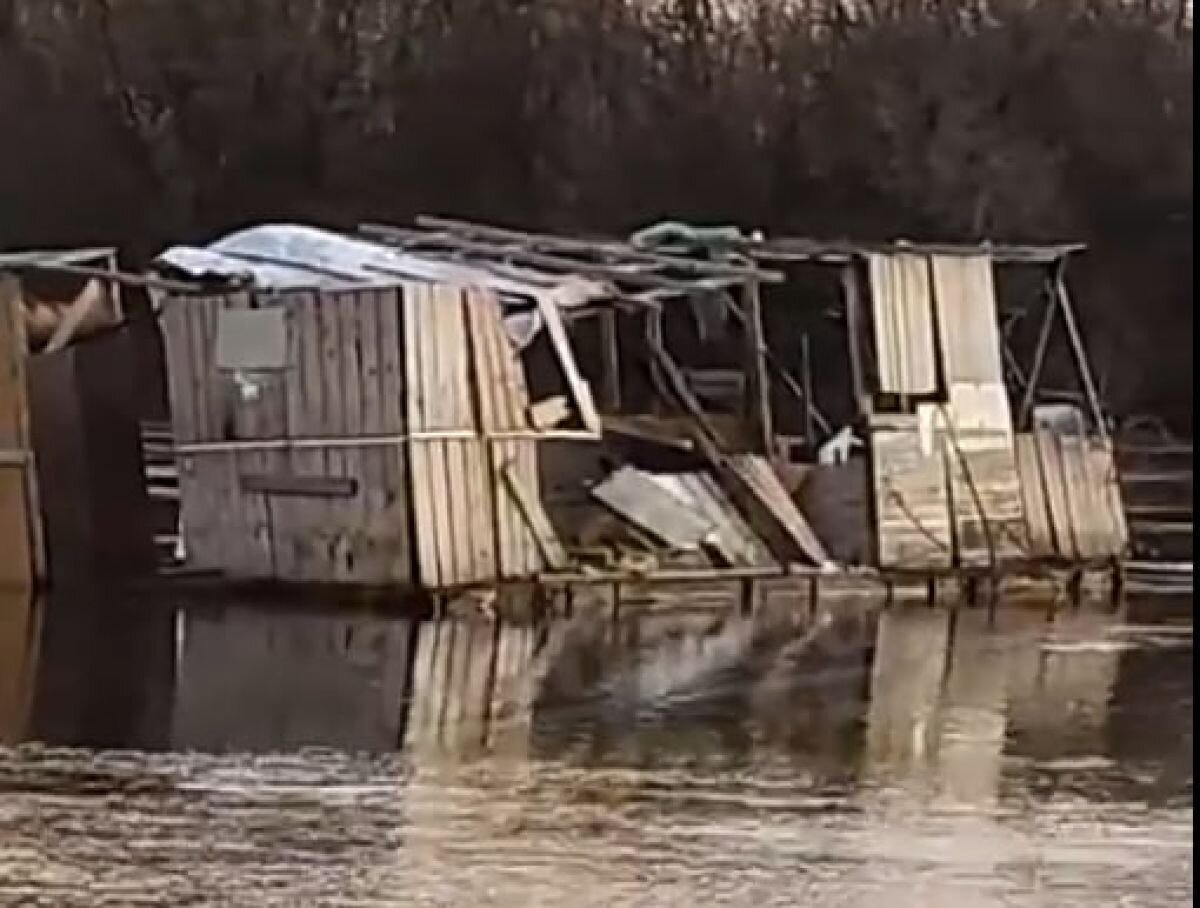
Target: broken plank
x,y
535,517
760,477
638,498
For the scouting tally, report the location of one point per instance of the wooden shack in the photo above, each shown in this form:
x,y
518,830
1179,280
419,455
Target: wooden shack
x,y
72,497
377,436
764,407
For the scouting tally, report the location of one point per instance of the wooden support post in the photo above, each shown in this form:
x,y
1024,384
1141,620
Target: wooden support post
x,y
781,372
810,432
758,390
612,360
1075,586
749,588
1039,359
1118,581
852,294
1085,371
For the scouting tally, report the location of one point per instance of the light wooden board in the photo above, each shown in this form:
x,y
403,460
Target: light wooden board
x,y
503,401
1033,496
580,390
903,317
1050,455
911,502
760,477
986,502
968,328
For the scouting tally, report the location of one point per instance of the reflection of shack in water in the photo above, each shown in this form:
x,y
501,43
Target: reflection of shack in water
x,y
953,693
250,679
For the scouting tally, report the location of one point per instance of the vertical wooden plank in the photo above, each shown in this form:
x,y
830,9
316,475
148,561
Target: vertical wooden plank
x,y
1055,484
610,351
757,405
398,517
452,345
174,322
853,298
350,512
215,389
369,554
1033,496
424,525
493,418
306,408
1080,500
580,391
247,516
439,410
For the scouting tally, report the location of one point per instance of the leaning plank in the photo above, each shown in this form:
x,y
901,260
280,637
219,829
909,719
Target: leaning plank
x,y
580,390
535,517
636,496
758,474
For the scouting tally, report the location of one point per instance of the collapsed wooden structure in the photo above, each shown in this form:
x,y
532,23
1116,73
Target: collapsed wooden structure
x,y
451,405
397,433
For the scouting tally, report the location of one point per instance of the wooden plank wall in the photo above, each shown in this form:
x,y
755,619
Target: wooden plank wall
x,y
503,402
427,372
344,377
20,533
1072,499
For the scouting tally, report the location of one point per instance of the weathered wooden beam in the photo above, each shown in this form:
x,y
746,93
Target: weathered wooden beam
x,y
781,371
604,248
792,249
1081,360
103,274
809,406
1035,369
534,515
634,274
853,297
757,405
610,352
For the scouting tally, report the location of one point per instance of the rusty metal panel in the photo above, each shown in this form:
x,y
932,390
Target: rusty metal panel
x,y
902,309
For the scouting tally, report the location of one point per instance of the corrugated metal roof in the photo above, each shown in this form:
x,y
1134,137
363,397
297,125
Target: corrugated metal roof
x,y
292,257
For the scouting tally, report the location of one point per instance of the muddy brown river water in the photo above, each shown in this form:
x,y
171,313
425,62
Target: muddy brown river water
x,y
157,754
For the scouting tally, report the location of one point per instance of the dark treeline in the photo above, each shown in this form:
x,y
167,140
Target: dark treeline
x,y
145,122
